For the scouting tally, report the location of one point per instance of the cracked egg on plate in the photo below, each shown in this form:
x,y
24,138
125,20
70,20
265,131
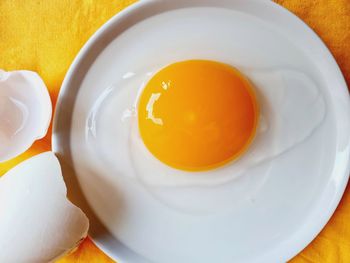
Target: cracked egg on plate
x,y
201,131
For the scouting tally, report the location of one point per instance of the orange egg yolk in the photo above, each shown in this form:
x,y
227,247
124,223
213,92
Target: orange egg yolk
x,y
197,115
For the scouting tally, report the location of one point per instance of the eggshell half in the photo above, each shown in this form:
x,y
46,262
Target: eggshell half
x,y
25,111
37,222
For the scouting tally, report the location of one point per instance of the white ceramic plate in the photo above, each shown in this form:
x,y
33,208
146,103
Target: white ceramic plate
x,y
271,212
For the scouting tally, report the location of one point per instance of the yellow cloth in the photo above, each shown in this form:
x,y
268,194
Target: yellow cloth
x,y
45,36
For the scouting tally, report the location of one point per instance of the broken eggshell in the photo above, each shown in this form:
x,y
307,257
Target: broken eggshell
x,y
37,222
25,111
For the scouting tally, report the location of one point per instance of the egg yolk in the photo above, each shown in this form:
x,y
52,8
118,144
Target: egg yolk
x,y
197,115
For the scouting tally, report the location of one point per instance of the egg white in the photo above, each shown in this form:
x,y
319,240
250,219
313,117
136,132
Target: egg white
x,y
291,108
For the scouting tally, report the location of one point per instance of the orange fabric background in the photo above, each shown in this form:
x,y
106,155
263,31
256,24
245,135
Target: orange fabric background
x,y
45,36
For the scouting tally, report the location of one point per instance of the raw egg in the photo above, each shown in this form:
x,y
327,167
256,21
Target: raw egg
x,y
197,115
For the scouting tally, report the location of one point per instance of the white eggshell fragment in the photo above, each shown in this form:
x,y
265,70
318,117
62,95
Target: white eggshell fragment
x,y
25,111
37,222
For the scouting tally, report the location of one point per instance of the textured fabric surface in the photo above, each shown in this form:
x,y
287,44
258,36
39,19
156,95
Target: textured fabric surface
x,y
45,36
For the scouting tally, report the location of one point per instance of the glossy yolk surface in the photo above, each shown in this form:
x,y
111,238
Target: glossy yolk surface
x,y
197,115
